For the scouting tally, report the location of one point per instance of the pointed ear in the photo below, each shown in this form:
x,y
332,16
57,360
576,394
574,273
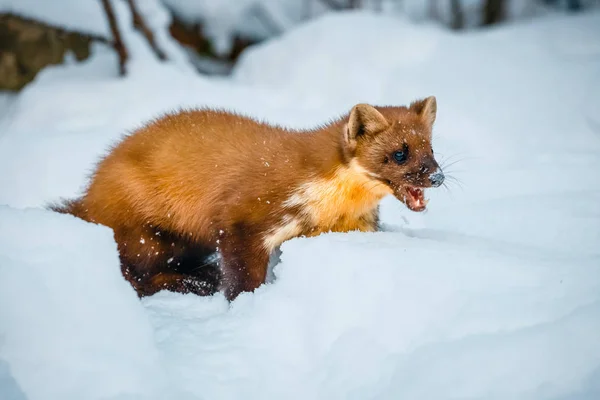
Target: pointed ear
x,y
364,119
426,108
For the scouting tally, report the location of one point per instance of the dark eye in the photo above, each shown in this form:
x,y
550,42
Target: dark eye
x,y
400,156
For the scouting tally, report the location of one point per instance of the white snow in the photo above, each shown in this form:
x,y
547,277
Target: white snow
x,y
82,337
494,293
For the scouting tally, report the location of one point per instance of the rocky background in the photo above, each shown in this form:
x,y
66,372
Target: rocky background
x,y
27,46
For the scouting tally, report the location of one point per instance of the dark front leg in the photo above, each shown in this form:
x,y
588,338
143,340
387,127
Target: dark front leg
x,y
166,261
244,262
176,282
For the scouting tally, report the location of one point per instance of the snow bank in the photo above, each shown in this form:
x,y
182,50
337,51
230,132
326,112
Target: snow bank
x,y
389,316
494,293
382,315
71,327
308,59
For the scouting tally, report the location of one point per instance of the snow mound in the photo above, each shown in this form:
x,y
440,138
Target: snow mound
x,y
380,315
343,52
71,326
383,316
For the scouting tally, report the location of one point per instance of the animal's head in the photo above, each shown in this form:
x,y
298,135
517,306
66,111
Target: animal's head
x,y
393,145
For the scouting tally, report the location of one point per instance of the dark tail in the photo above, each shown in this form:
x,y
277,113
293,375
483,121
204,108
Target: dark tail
x,y
73,207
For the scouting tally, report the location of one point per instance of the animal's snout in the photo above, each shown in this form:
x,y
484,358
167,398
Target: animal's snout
x,y
437,178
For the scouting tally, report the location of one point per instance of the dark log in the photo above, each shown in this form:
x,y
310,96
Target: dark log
x,y
27,46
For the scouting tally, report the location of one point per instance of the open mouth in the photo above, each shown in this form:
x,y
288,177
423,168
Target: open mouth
x,y
413,197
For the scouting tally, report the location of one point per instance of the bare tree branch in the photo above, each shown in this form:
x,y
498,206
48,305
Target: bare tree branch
x,y
493,12
378,5
307,11
574,5
458,20
433,10
140,25
334,5
353,4
267,19
117,41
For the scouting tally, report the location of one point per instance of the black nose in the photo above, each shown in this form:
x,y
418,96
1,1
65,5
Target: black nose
x,y
436,179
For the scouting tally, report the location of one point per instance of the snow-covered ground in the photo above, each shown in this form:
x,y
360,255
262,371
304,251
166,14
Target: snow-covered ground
x,y
494,293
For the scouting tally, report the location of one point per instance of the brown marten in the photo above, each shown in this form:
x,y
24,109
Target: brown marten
x,y
197,183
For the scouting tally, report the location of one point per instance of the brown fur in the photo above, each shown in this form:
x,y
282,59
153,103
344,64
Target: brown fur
x,y
192,183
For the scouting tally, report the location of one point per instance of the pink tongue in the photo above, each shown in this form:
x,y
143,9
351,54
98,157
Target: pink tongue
x,y
415,197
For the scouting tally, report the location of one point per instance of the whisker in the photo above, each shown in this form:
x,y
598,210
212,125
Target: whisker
x,y
448,190
447,162
437,153
452,180
453,171
448,165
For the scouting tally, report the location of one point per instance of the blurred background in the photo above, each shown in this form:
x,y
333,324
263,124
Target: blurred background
x,y
35,34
